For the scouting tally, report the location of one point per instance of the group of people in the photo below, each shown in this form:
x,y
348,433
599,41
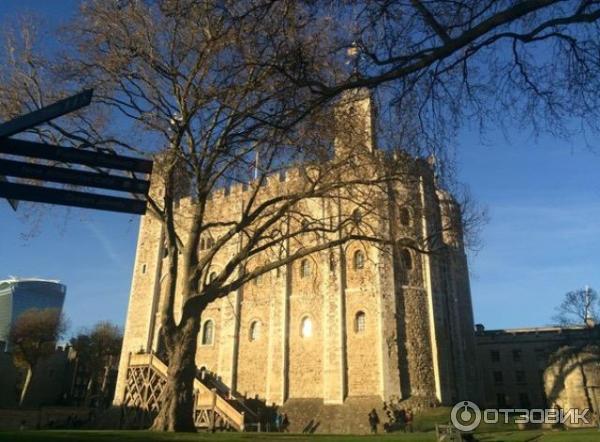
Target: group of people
x,y
281,422
401,420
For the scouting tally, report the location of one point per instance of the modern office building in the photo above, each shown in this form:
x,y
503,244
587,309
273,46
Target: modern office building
x,y
18,295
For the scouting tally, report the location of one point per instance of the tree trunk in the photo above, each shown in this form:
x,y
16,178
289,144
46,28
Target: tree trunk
x,y
177,408
25,386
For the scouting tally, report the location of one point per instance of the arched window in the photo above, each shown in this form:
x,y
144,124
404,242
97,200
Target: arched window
x,y
405,216
208,332
212,276
202,244
304,268
356,216
359,322
359,260
407,261
254,332
306,328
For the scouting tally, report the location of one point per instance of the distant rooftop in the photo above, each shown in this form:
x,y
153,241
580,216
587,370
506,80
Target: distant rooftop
x,y
548,329
17,279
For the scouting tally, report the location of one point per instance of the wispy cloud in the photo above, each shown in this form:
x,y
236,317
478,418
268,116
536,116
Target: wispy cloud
x,y
106,243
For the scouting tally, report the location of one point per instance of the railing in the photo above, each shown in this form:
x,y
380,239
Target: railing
x,y
210,381
209,405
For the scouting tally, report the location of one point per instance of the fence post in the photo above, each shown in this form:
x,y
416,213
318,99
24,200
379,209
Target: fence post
x,y
213,407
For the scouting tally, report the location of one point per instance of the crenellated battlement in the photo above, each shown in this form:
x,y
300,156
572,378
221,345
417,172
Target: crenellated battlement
x,y
353,321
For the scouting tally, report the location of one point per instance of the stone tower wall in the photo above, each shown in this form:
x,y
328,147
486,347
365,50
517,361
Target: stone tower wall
x,y
416,329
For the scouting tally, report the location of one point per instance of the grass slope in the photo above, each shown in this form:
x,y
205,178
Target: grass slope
x,y
145,436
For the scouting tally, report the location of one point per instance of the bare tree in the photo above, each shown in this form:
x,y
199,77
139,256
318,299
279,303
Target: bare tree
x,y
33,336
203,85
530,64
579,307
98,350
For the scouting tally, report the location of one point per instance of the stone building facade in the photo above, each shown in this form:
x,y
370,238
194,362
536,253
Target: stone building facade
x,y
543,367
354,321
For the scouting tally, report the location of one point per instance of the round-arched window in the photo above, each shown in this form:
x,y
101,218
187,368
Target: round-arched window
x,y
360,322
407,261
208,332
304,268
254,332
306,327
359,260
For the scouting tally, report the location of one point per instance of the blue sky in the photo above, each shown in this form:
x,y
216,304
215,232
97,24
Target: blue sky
x,y
543,238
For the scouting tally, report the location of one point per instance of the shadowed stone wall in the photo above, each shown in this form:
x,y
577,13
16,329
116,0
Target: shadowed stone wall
x,y
327,328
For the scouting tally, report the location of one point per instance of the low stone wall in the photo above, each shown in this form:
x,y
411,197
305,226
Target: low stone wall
x,y
46,417
351,417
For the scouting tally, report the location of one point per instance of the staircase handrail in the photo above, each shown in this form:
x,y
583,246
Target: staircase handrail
x,y
234,416
236,397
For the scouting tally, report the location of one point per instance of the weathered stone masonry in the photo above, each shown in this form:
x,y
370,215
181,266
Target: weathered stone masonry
x,y
399,325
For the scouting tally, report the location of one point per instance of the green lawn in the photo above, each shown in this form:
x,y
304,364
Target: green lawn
x,y
143,436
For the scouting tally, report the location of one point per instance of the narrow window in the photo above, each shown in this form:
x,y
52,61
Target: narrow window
x,y
407,262
208,333
304,268
405,216
356,216
143,268
540,354
517,355
359,260
331,261
254,333
306,328
359,322
202,244
498,378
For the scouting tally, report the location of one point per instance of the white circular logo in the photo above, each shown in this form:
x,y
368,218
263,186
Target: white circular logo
x,y
465,416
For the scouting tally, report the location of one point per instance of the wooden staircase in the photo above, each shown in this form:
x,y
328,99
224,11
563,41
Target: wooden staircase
x,y
214,408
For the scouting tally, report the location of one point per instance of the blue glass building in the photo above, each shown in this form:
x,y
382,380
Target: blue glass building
x,y
19,295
